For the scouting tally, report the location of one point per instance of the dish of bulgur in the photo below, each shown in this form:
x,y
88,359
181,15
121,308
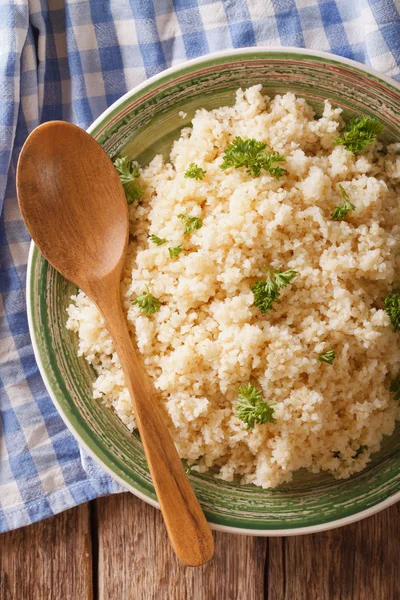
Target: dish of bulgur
x,y
260,288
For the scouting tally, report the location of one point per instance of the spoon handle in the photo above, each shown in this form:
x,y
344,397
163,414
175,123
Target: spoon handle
x,y
186,524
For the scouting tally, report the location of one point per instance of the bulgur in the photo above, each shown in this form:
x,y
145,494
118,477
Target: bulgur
x,y
208,339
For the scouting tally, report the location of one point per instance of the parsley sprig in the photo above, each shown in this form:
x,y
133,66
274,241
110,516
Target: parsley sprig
x,y
175,251
195,172
267,292
359,133
191,223
147,303
395,387
157,240
251,408
341,211
328,356
252,155
128,173
392,307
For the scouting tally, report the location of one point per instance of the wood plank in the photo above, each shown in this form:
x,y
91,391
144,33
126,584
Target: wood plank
x,y
357,562
376,567
137,562
50,560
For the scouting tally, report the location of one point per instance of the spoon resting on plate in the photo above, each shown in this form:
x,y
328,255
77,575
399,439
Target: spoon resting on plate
x,y
75,209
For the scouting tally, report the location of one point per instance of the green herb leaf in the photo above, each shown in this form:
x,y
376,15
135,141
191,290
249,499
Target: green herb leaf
x,y
359,133
188,471
147,303
191,223
283,278
360,450
157,240
128,173
195,172
175,251
252,155
395,387
327,357
392,307
341,211
251,408
267,292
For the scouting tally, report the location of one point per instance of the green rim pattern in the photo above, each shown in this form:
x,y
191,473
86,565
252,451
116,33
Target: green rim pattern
x,y
144,123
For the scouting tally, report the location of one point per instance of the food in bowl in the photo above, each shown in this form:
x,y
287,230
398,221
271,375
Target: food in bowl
x,y
259,286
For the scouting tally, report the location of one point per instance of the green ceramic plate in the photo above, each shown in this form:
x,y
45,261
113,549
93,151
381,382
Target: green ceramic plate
x,y
145,122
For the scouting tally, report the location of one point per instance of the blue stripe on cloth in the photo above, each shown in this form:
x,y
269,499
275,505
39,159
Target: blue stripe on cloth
x,y
149,41
71,63
192,29
334,30
239,23
288,22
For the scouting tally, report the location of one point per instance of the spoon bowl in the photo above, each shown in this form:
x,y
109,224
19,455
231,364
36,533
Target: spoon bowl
x,y
89,227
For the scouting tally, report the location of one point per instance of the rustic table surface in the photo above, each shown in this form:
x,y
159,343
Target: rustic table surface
x,y
116,548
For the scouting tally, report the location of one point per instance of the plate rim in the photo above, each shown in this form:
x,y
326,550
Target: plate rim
x,y
308,529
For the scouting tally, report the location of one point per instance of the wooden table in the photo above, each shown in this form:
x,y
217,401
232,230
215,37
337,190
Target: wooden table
x,y
116,548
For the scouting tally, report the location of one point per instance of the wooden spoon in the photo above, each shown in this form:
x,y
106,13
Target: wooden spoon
x,y
74,207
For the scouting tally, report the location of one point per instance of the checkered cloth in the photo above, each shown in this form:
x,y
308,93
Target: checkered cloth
x,y
70,60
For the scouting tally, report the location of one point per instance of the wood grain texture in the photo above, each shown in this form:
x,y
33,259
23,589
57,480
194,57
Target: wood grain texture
x,y
50,560
135,560
357,562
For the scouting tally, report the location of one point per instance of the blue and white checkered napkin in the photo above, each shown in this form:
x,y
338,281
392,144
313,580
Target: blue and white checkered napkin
x,y
70,60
